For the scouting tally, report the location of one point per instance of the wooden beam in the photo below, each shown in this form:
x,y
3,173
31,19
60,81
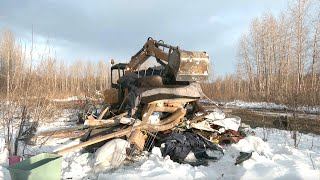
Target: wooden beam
x,y
150,110
171,121
95,140
118,116
165,109
103,113
176,100
199,118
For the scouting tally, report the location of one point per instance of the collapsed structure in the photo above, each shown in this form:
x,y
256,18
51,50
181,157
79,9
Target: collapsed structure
x,y
160,106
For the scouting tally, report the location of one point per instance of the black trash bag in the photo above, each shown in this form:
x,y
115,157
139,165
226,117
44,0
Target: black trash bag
x,y
178,146
243,157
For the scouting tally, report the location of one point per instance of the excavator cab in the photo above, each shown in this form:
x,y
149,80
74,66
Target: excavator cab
x,y
117,71
116,93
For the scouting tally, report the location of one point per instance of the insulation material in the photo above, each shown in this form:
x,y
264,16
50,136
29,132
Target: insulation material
x,y
232,123
203,125
216,114
110,155
126,120
155,118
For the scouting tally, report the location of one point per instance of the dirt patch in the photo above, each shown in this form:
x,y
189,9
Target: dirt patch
x,y
304,124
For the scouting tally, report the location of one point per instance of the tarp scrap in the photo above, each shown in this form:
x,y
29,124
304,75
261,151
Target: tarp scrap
x,y
178,146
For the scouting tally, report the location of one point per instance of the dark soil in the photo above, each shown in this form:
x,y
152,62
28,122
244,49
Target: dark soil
x,y
303,123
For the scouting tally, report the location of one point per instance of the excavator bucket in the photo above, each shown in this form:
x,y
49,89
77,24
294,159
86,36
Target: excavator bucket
x,y
188,65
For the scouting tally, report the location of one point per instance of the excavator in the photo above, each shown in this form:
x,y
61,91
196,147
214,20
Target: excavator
x,y
174,80
150,104
157,99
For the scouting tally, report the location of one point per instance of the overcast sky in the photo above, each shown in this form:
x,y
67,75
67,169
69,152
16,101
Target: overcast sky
x,y
118,28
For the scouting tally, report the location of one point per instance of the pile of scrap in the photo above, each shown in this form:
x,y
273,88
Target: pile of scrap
x,y
160,107
180,127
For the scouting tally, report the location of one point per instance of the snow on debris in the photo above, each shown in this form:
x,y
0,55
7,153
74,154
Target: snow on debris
x,y
274,159
270,160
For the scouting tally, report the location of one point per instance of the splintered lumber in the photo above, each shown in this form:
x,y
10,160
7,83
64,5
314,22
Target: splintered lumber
x,y
118,116
137,138
171,121
199,118
165,109
145,117
173,101
103,113
61,132
96,140
164,105
77,131
105,122
177,115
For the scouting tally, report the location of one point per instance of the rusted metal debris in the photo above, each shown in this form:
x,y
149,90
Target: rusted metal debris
x,y
189,66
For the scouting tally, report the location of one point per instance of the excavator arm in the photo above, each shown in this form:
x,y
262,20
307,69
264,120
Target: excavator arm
x,y
150,48
184,65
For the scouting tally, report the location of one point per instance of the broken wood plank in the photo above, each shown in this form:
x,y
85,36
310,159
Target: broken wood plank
x,y
96,140
172,121
118,116
60,131
63,132
103,113
150,110
199,118
167,123
176,100
165,109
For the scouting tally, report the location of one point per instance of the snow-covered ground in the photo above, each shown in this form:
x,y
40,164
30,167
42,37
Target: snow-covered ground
x,y
263,105
255,105
76,98
72,98
275,158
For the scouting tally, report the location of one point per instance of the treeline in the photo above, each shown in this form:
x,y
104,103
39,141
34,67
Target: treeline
x,y
278,59
23,75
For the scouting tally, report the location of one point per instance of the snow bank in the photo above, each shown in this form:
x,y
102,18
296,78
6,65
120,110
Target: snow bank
x,y
67,119
72,98
77,165
255,105
269,160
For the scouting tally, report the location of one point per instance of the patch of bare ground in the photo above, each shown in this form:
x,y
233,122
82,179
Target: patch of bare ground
x,y
304,123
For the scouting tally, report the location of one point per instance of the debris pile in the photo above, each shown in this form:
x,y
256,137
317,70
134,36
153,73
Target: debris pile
x,y
186,135
155,107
